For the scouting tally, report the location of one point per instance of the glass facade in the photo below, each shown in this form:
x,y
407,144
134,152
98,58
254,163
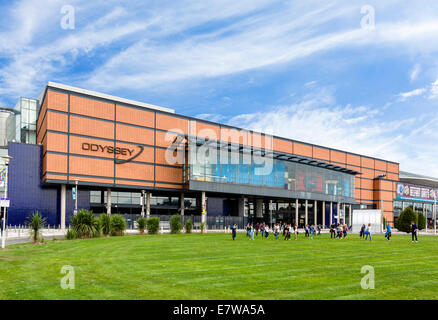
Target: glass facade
x,y
284,175
26,121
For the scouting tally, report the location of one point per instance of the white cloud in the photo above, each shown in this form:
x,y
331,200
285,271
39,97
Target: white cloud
x,y
415,72
355,129
434,90
417,92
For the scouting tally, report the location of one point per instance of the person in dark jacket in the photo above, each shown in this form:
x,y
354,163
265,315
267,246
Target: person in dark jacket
x,y
414,230
362,231
234,230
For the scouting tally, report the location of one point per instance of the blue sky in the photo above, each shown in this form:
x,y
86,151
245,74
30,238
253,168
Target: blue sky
x,y
308,70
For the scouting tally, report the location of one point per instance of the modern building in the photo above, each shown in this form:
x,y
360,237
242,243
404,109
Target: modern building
x,y
134,158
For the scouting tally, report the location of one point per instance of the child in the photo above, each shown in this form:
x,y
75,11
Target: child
x,y
277,231
345,230
312,230
296,231
388,232
306,230
252,233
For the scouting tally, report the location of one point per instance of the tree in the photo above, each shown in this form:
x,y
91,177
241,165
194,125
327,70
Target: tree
x,y
421,221
403,223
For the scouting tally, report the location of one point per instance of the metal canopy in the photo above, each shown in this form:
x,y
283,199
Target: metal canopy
x,y
275,154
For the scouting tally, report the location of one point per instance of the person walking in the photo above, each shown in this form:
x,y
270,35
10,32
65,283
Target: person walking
x,y
362,231
234,231
388,232
368,232
332,231
296,231
267,230
248,229
345,231
276,231
306,230
257,226
252,233
414,230
312,231
319,229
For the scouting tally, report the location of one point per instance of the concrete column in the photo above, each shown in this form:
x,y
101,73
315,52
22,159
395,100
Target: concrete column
x,y
142,203
148,204
315,213
259,208
323,214
296,212
63,206
108,201
204,209
349,215
306,210
241,207
331,213
338,210
181,204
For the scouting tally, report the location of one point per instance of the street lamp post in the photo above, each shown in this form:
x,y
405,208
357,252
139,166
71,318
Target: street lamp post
x,y
77,194
434,212
7,158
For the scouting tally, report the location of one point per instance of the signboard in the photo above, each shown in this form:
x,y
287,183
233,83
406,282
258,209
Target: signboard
x,y
412,192
373,217
73,193
4,202
2,177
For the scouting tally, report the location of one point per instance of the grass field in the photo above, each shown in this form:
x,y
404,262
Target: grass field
x,y
212,266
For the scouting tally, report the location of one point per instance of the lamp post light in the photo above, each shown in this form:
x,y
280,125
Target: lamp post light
x,y
7,159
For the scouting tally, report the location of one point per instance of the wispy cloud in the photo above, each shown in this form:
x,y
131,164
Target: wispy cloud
x,y
417,92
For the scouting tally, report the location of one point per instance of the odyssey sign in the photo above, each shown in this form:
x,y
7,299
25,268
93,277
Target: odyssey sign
x,y
113,150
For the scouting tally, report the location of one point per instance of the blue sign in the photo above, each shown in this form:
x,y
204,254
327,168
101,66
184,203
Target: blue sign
x,y
73,193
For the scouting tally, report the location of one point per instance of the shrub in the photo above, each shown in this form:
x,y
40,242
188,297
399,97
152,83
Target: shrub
x,y
153,225
118,225
175,223
403,222
70,235
421,221
141,223
202,227
85,224
105,222
36,222
189,226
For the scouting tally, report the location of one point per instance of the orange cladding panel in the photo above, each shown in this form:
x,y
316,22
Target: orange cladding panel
x,y
57,100
135,116
168,174
56,163
321,153
56,142
135,171
135,134
336,156
353,159
367,162
91,107
57,121
282,145
302,149
90,127
172,123
91,167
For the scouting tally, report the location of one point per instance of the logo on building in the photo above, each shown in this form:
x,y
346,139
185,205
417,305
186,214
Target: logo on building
x,y
114,150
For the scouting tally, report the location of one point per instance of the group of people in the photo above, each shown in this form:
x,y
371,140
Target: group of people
x,y
365,231
286,229
338,231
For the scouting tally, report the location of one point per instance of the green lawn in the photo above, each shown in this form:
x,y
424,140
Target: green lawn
x,y
212,266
